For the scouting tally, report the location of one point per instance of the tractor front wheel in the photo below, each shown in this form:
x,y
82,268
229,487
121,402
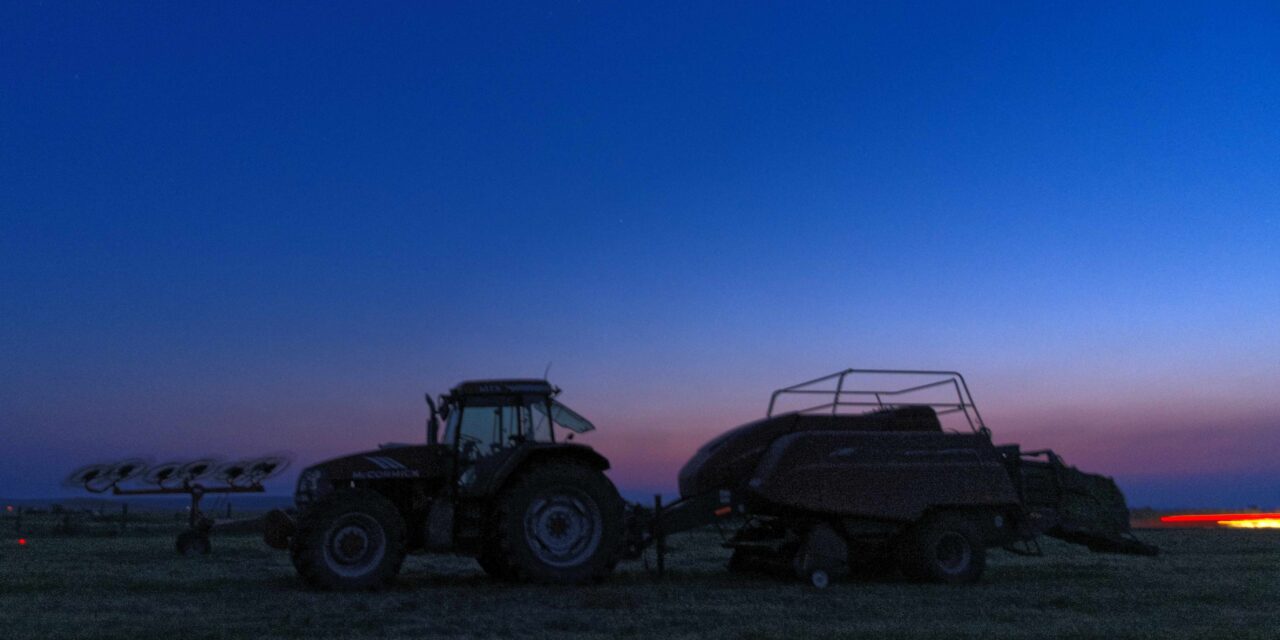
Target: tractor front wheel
x,y
355,539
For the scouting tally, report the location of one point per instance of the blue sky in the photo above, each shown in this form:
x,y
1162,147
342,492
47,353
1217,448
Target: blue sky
x,y
242,227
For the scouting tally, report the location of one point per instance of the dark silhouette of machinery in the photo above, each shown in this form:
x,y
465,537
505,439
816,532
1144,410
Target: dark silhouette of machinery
x,y
868,475
196,478
502,481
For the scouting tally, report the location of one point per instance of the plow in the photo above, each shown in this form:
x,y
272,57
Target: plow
x,y
194,478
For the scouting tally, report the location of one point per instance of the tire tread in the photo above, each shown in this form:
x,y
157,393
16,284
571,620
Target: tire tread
x,y
508,512
307,553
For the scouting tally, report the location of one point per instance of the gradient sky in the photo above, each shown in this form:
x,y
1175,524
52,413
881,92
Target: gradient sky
x,y
237,228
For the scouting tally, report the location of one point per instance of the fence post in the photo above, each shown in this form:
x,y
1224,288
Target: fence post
x,y
660,526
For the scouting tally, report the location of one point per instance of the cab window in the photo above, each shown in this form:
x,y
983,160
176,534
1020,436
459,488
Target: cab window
x,y
483,429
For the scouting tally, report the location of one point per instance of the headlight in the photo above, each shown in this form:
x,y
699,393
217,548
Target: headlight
x,y
309,488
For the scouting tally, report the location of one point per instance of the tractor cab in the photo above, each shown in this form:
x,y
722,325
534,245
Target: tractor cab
x,y
483,419
485,416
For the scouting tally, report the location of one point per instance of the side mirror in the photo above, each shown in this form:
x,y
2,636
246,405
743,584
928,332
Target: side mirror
x,y
433,422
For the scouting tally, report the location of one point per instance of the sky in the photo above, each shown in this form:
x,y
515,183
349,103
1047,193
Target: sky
x,y
239,228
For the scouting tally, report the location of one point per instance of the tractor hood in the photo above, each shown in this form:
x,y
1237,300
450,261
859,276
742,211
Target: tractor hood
x,y
392,462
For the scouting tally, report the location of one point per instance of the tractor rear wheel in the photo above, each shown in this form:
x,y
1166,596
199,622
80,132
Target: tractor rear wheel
x,y
559,523
354,539
946,548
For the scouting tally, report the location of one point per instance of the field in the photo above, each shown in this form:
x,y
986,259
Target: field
x,y
1208,583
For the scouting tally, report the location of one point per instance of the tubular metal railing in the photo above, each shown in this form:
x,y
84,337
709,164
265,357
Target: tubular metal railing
x,y
876,398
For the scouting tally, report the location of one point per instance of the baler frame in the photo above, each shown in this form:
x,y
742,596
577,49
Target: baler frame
x,y
704,508
964,399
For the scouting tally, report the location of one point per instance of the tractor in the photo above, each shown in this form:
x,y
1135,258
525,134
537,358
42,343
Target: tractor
x,y
502,481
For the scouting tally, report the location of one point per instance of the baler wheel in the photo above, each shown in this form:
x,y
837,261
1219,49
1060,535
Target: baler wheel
x,y
743,561
946,548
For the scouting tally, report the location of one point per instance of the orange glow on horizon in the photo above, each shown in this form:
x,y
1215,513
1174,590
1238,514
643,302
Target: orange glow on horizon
x,y
1261,523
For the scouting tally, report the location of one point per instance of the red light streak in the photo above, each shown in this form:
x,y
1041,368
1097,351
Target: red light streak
x,y
1220,517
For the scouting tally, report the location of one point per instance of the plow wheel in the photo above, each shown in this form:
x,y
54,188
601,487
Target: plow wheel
x,y
744,561
193,543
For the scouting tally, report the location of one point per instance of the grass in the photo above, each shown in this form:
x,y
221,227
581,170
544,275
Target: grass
x,y
1208,583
